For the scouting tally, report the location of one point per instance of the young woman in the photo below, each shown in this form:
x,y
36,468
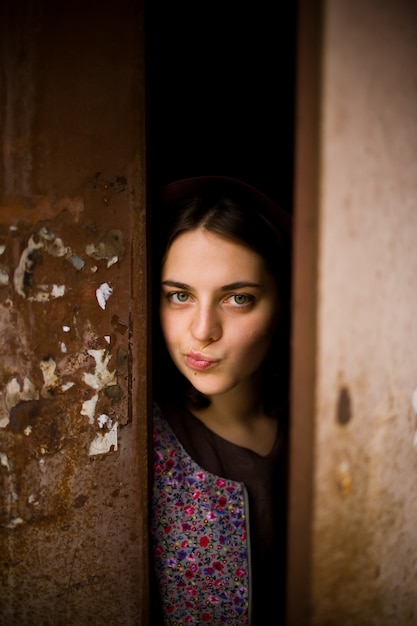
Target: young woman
x,y
220,376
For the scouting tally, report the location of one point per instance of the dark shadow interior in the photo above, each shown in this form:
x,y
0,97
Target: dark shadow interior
x,y
220,78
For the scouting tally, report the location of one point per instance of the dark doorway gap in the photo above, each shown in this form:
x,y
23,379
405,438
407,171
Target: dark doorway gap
x,y
220,87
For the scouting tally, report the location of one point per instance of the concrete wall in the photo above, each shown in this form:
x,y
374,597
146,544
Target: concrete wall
x,y
73,394
365,489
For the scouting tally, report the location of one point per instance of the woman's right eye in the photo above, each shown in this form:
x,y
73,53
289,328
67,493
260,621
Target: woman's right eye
x,y
178,297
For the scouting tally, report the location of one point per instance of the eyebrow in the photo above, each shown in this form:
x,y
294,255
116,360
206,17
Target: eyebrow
x,y
241,284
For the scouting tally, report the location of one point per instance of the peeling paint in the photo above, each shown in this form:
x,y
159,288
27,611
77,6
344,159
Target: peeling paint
x,y
47,292
4,278
15,522
103,293
42,241
33,499
104,420
104,442
62,529
102,376
48,367
111,247
67,386
14,392
4,461
89,408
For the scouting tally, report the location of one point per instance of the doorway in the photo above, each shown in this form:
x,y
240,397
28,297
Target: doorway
x,y
221,94
220,79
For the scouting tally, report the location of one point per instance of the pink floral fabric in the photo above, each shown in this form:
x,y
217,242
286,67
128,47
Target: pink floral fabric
x,y
199,533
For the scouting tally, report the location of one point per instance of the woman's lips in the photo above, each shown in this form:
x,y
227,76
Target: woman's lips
x,y
199,361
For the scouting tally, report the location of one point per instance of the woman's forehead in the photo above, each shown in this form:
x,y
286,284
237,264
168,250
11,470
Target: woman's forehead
x,y
200,253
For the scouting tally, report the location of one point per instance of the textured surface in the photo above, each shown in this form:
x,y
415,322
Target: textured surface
x,y
73,398
365,549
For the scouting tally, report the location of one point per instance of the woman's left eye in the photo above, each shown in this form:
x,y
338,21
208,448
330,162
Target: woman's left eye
x,y
240,299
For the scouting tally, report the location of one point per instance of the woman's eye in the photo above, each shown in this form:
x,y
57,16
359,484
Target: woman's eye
x,y
179,297
241,299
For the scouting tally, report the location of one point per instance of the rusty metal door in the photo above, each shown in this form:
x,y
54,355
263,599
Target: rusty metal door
x,y
73,335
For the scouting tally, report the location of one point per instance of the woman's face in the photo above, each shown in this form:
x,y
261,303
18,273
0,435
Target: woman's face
x,y
219,309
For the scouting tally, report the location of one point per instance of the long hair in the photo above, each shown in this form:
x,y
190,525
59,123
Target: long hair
x,y
240,213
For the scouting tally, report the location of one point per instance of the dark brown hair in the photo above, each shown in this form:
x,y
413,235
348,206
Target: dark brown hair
x,y
226,207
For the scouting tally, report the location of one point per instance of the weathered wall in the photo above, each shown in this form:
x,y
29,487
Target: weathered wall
x,y
365,512
73,395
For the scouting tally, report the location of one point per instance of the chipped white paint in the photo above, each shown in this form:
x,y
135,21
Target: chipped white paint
x,y
104,420
47,292
89,408
67,386
51,381
90,249
47,242
33,499
112,261
4,461
66,329
4,278
39,241
103,293
14,392
64,349
107,338
15,522
102,376
2,248
104,442
100,379
27,431
58,291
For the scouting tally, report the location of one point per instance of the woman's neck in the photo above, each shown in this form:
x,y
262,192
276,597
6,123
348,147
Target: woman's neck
x,y
238,417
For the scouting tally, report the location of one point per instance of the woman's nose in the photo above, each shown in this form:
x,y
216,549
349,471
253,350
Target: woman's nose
x,y
206,325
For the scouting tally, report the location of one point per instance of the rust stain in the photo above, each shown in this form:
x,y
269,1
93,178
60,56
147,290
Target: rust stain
x,y
64,370
344,479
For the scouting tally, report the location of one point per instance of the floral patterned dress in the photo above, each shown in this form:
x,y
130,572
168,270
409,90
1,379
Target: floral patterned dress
x,y
200,538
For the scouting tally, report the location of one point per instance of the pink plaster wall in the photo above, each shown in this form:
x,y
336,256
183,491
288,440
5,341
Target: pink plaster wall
x,y
365,504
